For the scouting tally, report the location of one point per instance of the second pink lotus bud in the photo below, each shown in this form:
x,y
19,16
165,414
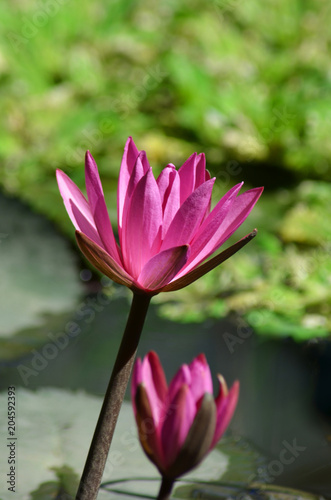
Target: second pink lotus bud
x,y
180,423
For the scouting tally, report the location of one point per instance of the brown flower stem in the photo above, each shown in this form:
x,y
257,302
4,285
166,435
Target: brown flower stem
x,y
166,488
103,434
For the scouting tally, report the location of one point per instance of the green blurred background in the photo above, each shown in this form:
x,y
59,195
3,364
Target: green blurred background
x,y
248,83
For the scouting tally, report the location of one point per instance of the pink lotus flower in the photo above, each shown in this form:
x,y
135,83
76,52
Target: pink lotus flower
x,y
178,425
166,230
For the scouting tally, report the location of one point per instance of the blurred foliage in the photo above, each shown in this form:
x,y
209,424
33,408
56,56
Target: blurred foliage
x,y
248,83
280,282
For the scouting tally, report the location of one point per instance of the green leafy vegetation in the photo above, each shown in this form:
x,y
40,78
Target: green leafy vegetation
x,y
245,82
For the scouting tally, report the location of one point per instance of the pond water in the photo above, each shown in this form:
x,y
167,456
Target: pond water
x,y
61,331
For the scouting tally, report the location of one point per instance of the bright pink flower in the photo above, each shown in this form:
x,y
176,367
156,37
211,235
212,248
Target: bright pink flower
x,y
165,226
178,425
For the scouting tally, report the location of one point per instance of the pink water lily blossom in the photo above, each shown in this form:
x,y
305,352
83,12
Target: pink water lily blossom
x,y
165,227
180,423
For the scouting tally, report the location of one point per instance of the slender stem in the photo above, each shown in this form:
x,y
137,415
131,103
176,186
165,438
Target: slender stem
x,y
103,434
166,488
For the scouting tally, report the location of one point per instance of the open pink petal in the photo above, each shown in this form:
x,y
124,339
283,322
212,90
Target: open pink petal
x,y
98,206
180,415
172,203
225,409
139,170
169,187
72,195
161,269
85,226
137,174
187,177
189,217
196,273
201,377
77,207
213,222
200,175
222,222
141,233
128,162
164,182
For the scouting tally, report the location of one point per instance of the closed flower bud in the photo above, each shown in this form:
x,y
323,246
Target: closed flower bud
x,y
178,425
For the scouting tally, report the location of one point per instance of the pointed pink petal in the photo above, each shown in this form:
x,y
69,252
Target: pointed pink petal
x,y
169,187
137,174
181,413
202,382
141,233
149,433
139,170
222,222
189,217
128,162
183,376
84,225
226,406
163,267
98,206
77,207
198,439
212,223
152,375
200,176
187,177
172,204
164,182
208,266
